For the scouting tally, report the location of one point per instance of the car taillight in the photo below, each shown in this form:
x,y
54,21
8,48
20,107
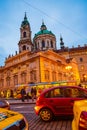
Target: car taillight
x,y
83,121
39,101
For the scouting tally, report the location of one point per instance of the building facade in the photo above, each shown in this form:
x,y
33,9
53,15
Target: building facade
x,y
80,54
37,61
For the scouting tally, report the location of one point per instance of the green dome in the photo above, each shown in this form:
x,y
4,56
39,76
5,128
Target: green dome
x,y
43,30
25,21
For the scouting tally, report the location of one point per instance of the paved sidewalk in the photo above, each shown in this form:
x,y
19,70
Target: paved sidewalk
x,y
18,101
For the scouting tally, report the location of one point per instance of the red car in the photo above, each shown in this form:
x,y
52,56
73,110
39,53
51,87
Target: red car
x,y
58,101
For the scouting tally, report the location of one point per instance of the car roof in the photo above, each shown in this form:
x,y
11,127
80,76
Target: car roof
x,y
48,89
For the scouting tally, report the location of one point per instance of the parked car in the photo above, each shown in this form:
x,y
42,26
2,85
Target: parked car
x,y
58,101
4,104
10,120
80,115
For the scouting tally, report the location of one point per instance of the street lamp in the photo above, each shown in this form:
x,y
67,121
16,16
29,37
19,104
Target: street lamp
x,y
68,71
68,67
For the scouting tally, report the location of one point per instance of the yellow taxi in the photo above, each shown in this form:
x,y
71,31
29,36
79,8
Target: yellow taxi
x,y
10,120
80,115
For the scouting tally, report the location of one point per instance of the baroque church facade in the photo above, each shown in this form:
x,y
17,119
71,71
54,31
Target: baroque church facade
x,y
38,60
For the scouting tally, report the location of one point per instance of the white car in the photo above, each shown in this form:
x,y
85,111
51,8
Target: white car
x,y
80,115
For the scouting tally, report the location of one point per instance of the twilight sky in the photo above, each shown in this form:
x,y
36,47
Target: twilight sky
x,y
62,17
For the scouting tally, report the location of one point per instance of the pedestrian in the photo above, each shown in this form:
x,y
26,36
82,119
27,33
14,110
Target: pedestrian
x,y
27,94
80,85
35,92
23,94
32,93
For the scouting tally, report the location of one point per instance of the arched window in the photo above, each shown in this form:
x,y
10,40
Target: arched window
x,y
38,45
51,43
35,45
1,82
43,43
23,77
54,76
24,34
24,47
47,75
15,79
33,75
47,43
8,81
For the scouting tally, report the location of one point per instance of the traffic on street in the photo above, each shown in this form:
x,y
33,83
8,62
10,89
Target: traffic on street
x,y
27,109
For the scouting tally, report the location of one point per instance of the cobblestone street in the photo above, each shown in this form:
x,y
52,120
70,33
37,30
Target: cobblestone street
x,y
35,123
57,124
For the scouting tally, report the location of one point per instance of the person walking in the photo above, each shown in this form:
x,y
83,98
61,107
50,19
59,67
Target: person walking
x,y
35,92
27,94
23,94
32,93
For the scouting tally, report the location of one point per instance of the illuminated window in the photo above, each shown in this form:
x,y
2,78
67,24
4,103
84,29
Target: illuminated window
x,y
84,77
82,67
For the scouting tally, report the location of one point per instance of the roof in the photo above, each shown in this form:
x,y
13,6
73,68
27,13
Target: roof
x,y
43,30
25,21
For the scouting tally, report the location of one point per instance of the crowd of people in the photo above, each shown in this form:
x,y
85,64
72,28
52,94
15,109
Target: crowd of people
x,y
25,94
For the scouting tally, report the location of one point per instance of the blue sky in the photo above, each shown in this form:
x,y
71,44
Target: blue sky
x,y
65,17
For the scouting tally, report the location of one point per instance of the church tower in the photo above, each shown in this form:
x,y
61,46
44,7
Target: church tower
x,y
25,42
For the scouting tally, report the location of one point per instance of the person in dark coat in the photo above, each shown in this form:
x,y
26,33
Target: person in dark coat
x,y
33,93
23,94
80,85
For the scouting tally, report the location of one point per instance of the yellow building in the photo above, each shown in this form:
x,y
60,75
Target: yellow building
x,y
80,55
37,61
